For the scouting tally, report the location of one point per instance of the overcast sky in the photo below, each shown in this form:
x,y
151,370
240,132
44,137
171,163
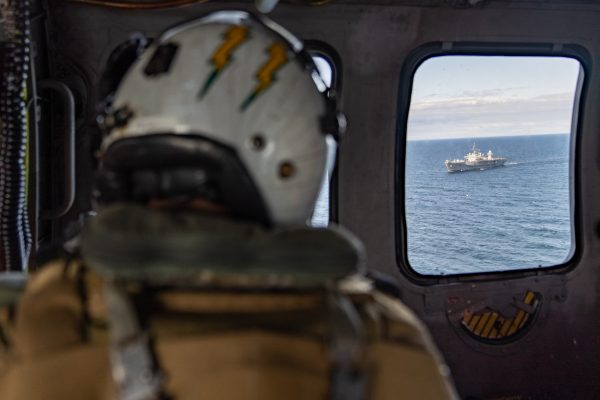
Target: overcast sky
x,y
483,96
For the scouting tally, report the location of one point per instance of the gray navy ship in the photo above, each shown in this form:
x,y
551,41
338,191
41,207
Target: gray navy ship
x,y
475,160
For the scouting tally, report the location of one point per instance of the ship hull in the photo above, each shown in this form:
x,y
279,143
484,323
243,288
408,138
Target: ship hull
x,y
479,166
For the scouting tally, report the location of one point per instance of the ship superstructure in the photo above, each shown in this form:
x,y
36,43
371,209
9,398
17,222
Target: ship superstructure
x,y
475,160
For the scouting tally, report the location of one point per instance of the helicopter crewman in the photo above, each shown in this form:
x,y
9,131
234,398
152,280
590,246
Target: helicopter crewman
x,y
198,277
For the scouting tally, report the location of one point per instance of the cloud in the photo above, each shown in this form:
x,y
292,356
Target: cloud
x,y
489,113
482,93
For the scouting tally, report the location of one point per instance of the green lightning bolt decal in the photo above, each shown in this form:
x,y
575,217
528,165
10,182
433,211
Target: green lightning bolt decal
x,y
266,76
222,57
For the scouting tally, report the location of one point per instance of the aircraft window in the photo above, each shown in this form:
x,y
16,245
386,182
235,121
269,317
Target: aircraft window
x,y
320,216
488,160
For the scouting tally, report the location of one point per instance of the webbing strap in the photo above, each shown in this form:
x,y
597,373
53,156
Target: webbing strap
x,y
134,368
348,381
137,374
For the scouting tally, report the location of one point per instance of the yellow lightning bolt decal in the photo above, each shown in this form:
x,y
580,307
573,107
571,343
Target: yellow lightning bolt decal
x,y
234,37
267,74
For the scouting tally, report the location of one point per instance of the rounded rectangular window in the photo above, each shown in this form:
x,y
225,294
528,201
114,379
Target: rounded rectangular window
x,y
488,161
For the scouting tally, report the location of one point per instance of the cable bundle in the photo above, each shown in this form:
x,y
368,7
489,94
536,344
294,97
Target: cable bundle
x,y
139,5
157,4
15,235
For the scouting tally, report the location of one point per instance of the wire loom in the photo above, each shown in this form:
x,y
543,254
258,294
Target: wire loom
x,y
15,235
149,5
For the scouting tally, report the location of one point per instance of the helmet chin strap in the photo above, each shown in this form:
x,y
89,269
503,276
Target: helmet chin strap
x,y
266,6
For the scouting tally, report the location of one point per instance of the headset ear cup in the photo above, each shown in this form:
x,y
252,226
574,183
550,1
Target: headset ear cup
x,y
110,187
119,62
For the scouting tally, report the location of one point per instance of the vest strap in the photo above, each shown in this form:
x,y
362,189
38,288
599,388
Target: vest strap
x,y
347,348
135,369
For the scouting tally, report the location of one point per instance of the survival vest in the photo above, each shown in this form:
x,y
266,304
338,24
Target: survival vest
x,y
134,319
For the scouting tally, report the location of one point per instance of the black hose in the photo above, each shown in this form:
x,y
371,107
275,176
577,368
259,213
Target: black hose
x,y
15,235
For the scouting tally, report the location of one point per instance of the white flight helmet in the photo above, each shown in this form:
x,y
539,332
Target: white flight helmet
x,y
228,107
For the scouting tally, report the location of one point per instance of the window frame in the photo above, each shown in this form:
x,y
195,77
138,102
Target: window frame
x,y
438,49
318,48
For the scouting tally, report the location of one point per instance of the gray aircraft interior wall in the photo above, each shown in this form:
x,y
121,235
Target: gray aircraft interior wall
x,y
558,356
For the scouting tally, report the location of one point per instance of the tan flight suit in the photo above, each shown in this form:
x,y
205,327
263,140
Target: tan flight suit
x,y
222,343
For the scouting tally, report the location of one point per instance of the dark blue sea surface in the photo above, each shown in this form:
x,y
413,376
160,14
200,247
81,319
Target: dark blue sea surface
x,y
506,218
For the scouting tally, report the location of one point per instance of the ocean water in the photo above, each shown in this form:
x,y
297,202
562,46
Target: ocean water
x,y
507,218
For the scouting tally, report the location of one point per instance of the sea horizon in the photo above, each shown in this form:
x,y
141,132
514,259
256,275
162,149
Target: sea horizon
x,y
484,137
